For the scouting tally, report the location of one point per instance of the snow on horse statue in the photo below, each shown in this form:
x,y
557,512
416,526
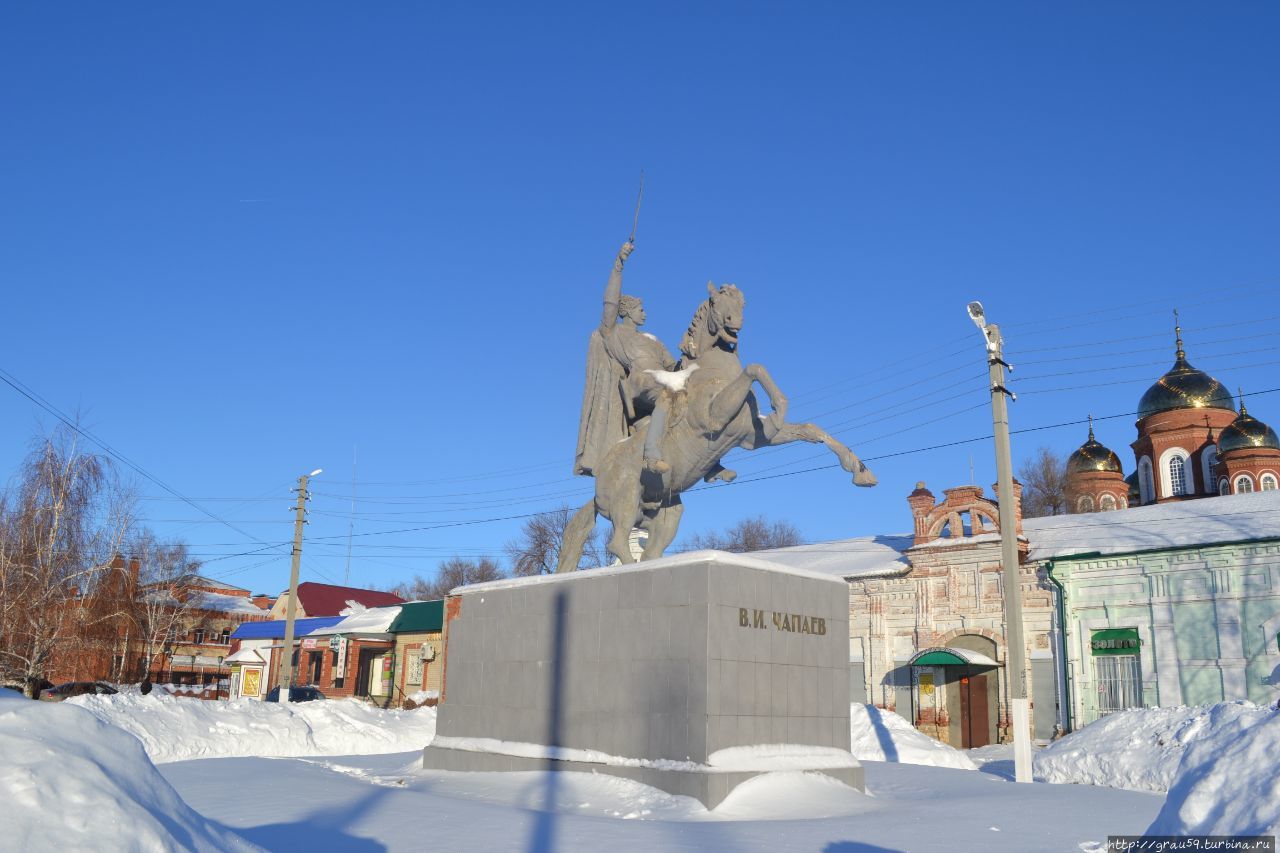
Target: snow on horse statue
x,y
699,412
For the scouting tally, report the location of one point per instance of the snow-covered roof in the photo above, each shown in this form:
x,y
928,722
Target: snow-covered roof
x,y
375,620
225,603
245,655
860,557
1204,521
211,583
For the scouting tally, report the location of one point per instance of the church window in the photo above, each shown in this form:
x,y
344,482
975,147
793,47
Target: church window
x,y
1223,487
1268,482
1107,503
1208,459
1177,476
1146,485
1243,485
1085,504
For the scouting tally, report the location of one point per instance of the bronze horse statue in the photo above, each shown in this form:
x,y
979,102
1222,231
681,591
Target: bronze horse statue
x,y
715,412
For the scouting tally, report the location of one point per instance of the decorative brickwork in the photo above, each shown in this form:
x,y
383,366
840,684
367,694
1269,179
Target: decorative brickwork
x,y
952,596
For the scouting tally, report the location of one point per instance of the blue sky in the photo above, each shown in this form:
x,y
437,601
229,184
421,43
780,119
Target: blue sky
x,y
243,242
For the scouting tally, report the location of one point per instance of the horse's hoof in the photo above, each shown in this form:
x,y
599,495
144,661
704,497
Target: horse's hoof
x,y
865,478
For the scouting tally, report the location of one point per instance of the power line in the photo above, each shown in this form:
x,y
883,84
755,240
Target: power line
x,y
34,397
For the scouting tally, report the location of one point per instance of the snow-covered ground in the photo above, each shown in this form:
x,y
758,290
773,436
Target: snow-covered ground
x,y
69,781
1139,749
177,728
76,781
369,803
1219,763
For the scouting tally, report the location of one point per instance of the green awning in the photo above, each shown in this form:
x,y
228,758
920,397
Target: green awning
x,y
939,658
948,656
418,617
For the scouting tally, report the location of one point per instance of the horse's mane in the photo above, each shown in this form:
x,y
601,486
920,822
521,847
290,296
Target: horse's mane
x,y
689,343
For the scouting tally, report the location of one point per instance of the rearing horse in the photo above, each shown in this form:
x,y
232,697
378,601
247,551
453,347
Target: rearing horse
x,y
719,413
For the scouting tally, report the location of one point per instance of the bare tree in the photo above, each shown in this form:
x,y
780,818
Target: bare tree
x,y
1044,484
163,606
750,534
537,550
455,571
60,527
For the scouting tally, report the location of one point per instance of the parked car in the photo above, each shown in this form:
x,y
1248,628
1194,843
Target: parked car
x,y
296,694
77,688
41,686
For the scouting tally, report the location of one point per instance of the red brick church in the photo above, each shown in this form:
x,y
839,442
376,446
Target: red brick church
x,y
1192,443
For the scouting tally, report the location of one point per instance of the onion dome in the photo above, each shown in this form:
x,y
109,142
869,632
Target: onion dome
x,y
1093,456
1184,387
1245,432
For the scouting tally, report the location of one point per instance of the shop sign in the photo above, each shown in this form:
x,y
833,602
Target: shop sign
x,y
339,645
1115,641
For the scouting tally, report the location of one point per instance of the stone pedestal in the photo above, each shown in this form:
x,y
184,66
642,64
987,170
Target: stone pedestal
x,y
648,672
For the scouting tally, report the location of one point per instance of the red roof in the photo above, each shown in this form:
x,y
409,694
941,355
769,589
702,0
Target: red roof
x,y
323,599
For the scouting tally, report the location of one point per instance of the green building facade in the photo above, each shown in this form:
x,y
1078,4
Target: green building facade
x,y
1196,621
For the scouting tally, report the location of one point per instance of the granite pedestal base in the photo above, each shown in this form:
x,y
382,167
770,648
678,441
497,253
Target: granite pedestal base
x,y
674,660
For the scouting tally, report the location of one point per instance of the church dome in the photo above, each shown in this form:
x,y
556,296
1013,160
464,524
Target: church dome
x,y
1184,387
1093,456
1246,431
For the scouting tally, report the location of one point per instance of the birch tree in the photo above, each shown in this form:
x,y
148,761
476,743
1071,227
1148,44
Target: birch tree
x,y
61,524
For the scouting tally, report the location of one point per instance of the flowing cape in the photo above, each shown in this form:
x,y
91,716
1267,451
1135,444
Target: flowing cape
x,y
604,421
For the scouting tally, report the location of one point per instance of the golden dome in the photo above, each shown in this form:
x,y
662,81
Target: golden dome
x,y
1184,387
1093,456
1245,432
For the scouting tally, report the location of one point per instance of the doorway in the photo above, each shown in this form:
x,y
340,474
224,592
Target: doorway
x,y
315,664
975,712
364,671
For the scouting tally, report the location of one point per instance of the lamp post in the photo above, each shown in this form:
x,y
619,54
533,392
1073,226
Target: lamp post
x,y
1015,650
285,680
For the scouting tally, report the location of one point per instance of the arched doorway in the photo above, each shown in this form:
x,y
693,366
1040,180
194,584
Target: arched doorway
x,y
964,674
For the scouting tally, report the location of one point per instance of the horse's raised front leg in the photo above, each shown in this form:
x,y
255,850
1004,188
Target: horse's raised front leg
x,y
733,396
815,434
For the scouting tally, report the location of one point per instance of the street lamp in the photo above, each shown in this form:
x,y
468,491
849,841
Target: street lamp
x,y
285,679
1015,650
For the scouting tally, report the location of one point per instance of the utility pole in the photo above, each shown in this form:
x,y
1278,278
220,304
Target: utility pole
x,y
285,679
1015,649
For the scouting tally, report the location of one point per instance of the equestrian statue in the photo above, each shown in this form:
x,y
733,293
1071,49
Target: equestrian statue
x,y
653,427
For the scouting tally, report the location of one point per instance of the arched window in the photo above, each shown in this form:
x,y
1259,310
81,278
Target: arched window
x,y
1177,476
1243,485
1085,504
1268,482
1124,503
1146,484
1208,459
1107,503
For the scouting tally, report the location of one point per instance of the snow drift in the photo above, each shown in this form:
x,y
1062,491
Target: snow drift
x,y
874,732
177,729
1228,782
1139,749
71,782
